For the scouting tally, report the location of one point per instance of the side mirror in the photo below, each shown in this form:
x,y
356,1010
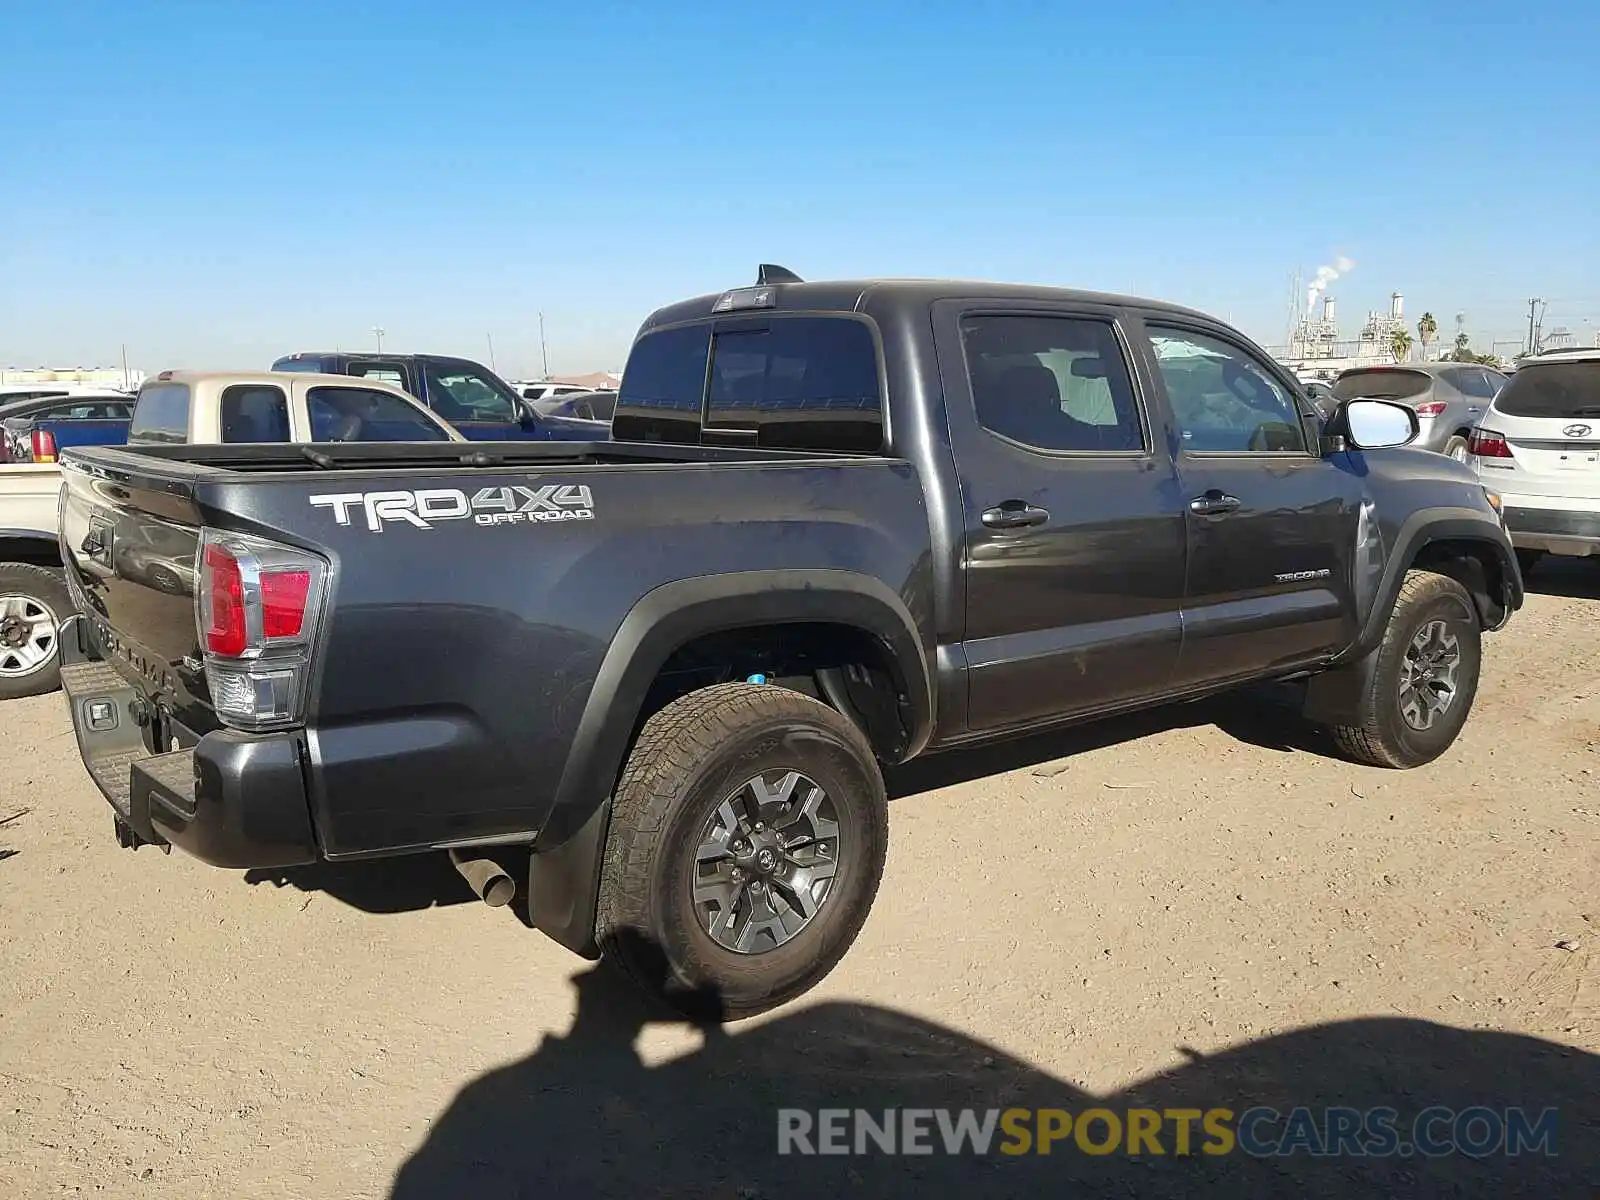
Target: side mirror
x,y
1373,424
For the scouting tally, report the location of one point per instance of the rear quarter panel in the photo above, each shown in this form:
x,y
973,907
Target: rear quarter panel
x,y
460,657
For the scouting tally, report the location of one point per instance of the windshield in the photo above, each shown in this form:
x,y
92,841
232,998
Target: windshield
x,y
1384,383
1555,389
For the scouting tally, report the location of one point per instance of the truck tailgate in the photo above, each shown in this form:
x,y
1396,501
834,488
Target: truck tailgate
x,y
129,546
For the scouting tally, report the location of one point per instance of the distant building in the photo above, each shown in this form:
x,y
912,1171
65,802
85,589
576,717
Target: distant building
x,y
1316,350
595,380
110,377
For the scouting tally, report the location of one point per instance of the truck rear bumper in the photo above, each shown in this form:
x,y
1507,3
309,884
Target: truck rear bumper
x,y
234,800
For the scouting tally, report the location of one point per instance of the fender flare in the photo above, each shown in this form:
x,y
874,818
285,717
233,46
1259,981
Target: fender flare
x,y
1417,531
48,543
564,875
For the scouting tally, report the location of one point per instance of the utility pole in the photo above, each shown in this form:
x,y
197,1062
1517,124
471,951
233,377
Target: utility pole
x,y
1533,304
492,367
378,331
125,386
544,351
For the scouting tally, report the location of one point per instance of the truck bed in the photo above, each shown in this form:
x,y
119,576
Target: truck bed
x,y
473,596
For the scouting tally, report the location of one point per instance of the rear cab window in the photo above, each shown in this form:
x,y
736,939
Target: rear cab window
x,y
160,415
1552,390
779,381
355,414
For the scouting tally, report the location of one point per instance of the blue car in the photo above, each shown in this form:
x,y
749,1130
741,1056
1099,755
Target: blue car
x,y
37,429
467,394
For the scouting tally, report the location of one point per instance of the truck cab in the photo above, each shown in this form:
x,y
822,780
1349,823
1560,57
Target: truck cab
x,y
467,394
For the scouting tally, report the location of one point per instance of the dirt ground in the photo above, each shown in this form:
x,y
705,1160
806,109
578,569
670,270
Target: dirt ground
x,y
1199,905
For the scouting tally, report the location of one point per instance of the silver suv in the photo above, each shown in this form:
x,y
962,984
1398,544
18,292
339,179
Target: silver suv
x,y
1449,397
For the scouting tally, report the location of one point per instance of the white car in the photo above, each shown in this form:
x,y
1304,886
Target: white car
x,y
1538,445
546,391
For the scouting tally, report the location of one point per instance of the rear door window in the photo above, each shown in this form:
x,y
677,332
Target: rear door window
x,y
161,414
1555,390
353,414
254,413
1475,382
458,393
1051,383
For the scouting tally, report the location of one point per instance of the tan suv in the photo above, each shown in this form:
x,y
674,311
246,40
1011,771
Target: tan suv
x,y
207,407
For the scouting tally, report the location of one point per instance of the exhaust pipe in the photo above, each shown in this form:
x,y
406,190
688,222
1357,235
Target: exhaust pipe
x,y
487,878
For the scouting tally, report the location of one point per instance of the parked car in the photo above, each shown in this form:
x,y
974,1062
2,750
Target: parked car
x,y
235,407
544,391
1448,397
35,430
1539,446
467,394
580,406
1322,398
843,524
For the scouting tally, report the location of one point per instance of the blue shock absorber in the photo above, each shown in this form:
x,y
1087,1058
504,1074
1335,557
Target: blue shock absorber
x,y
758,677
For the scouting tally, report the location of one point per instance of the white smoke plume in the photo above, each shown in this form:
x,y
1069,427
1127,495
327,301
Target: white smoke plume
x,y
1326,275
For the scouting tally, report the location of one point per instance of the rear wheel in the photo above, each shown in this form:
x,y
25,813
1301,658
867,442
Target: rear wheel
x,y
1420,687
33,603
746,844
1456,448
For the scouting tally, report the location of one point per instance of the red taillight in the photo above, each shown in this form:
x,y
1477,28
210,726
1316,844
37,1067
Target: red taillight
x,y
1431,409
283,602
258,605
1486,443
224,613
44,446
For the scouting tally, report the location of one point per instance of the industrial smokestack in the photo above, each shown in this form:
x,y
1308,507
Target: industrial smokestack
x,y
1326,275
1328,308
1397,306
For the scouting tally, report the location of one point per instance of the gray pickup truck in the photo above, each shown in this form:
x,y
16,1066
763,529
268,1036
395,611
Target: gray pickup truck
x,y
841,525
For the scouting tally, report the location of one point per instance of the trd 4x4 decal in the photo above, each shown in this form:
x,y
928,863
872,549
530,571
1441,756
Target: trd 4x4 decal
x,y
487,506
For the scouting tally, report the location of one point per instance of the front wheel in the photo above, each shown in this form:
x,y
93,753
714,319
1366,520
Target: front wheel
x,y
746,844
1421,685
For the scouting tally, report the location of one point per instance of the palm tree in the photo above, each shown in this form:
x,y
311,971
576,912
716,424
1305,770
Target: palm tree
x,y
1427,329
1400,345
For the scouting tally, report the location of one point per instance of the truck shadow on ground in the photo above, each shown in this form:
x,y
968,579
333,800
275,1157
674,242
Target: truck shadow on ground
x,y
585,1116
1267,718
1573,578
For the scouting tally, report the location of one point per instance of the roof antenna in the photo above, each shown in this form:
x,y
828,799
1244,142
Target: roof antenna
x,y
770,273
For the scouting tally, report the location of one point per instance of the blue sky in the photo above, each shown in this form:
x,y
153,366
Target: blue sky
x,y
215,184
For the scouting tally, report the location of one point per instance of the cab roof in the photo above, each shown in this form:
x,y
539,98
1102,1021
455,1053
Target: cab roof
x,y
893,296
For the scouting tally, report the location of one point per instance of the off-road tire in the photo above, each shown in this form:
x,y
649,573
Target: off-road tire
x,y
49,589
688,758
1381,737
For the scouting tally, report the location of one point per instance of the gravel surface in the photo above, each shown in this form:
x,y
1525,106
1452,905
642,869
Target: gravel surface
x,y
1196,905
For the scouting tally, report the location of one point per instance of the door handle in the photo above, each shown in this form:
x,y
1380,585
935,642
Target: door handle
x,y
1014,514
1213,503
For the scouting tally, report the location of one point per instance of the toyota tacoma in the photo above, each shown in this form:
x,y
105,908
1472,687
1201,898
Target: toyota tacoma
x,y
841,525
